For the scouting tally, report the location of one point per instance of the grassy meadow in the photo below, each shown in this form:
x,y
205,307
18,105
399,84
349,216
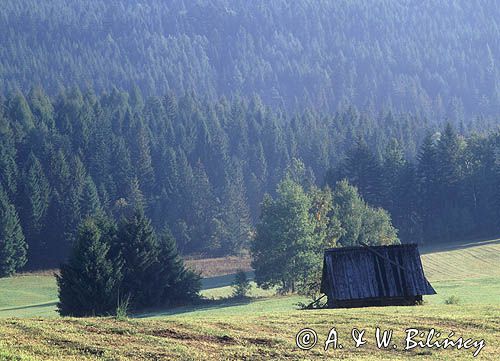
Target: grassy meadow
x,y
264,326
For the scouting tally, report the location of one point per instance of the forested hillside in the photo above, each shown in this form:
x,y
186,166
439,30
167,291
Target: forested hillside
x,y
223,99
201,168
439,59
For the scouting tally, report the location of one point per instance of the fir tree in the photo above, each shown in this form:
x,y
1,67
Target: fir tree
x,y
137,245
35,204
89,283
42,107
20,112
236,214
8,165
241,284
135,197
393,163
180,284
36,193
13,248
142,158
363,170
428,185
447,157
90,205
205,210
122,168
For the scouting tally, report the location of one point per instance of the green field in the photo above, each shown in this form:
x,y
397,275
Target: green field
x,y
263,327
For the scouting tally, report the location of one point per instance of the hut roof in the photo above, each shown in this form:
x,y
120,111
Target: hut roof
x,y
374,272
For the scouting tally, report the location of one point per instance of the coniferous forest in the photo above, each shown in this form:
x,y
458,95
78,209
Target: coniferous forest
x,y
192,111
201,168
249,179
433,58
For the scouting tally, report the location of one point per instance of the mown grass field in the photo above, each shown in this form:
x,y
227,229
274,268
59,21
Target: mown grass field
x,y
263,327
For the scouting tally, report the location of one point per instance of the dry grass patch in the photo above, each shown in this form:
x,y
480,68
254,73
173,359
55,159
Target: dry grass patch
x,y
247,337
211,267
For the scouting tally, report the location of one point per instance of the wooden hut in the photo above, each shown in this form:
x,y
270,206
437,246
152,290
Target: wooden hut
x,y
374,276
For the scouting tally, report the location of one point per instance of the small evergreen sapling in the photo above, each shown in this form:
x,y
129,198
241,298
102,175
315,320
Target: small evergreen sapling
x,y
241,284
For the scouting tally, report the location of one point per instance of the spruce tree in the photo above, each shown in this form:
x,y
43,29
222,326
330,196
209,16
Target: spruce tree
x,y
137,245
90,204
205,215
141,156
8,165
89,283
405,215
180,285
34,204
41,107
122,168
236,214
453,219
36,194
135,197
241,284
427,183
363,170
13,246
71,218
448,162
393,163
19,111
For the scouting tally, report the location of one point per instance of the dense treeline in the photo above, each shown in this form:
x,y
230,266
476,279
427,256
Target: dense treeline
x,y
438,59
451,191
201,168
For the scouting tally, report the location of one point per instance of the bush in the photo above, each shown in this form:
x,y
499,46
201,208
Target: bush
x,y
452,300
241,284
122,309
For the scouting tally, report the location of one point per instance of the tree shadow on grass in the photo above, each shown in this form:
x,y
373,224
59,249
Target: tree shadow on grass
x,y
202,305
221,281
46,304
453,246
205,304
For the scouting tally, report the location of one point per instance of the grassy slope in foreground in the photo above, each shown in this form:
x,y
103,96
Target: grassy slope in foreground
x,y
265,329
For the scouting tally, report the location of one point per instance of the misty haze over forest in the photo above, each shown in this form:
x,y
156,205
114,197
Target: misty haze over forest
x,y
194,110
437,59
187,179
